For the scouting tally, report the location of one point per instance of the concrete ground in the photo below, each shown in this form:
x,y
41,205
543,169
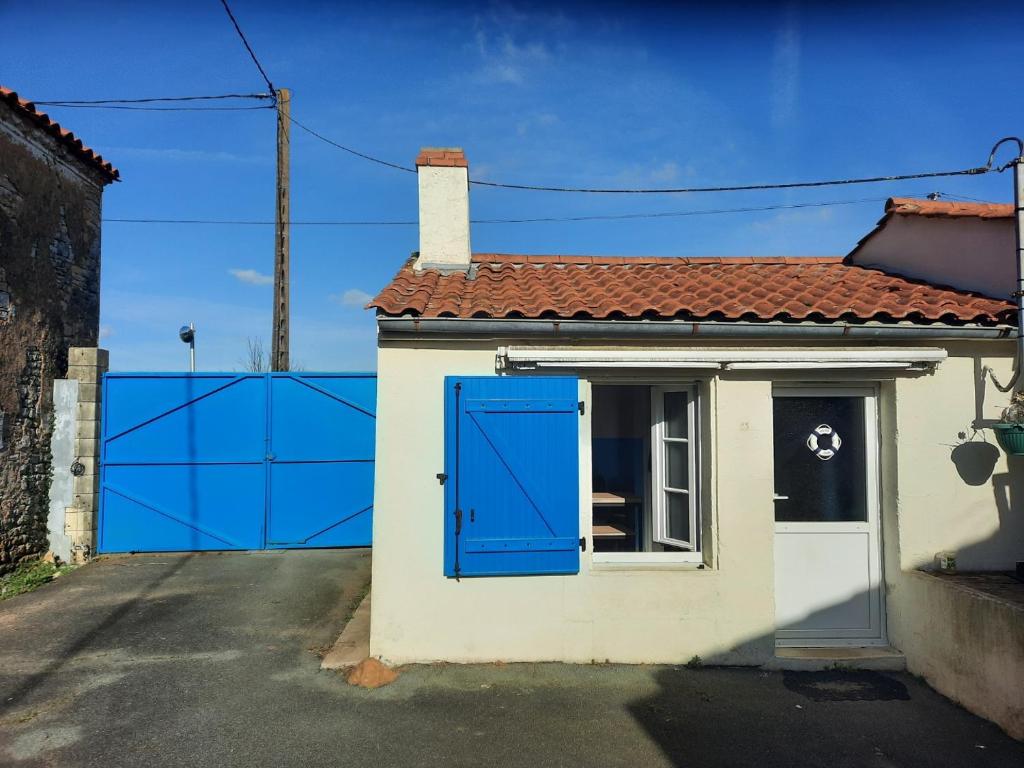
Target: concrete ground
x,y
209,660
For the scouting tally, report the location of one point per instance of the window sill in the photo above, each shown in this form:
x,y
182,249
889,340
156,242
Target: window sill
x,y
618,565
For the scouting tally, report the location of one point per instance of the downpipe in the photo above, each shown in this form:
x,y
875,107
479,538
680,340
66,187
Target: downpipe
x,y
1018,217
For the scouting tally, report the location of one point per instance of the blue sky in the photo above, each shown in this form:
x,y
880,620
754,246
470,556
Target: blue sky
x,y
598,94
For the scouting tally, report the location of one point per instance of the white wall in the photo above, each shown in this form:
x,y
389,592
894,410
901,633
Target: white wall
x,y
969,253
444,217
723,613
947,501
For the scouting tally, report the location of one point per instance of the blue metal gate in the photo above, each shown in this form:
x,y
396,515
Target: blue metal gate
x,y
214,461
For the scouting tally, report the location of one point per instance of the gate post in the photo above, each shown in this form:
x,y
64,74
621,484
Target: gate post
x,y
87,365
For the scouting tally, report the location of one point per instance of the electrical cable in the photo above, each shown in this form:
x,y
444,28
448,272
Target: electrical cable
x,y
248,47
351,151
163,109
977,171
149,100
546,219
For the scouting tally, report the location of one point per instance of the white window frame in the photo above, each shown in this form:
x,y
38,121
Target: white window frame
x,y
659,487
672,559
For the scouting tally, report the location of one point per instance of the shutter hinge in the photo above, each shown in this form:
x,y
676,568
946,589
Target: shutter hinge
x,y
583,543
441,477
582,407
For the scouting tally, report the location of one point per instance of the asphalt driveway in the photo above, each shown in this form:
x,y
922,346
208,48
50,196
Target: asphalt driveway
x,y
210,660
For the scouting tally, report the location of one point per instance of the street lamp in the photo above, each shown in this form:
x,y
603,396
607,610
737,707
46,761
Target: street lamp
x,y
187,333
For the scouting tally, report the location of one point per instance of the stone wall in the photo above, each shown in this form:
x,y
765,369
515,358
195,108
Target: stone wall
x,y
49,301
87,366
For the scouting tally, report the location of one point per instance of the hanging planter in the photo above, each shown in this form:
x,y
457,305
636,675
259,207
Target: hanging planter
x,y
1010,437
1010,429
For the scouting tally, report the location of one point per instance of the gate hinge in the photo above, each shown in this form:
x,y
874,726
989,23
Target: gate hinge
x,y
441,477
583,543
582,407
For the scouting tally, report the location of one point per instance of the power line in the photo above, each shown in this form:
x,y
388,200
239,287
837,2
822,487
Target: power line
x,y
248,47
979,170
545,219
162,109
940,195
351,151
149,100
740,187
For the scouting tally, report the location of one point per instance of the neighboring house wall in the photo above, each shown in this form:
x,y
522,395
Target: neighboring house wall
x,y
669,613
965,252
49,301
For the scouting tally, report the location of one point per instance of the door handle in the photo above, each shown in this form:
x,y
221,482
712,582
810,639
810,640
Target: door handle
x,y
779,497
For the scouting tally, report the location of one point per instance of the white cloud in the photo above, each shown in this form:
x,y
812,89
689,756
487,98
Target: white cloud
x,y
543,120
175,155
506,61
147,338
786,69
797,217
656,173
251,276
106,332
353,297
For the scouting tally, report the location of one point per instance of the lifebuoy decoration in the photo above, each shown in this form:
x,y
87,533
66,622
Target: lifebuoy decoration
x,y
824,442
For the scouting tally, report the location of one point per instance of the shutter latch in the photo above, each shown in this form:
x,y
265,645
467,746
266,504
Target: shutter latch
x,y
582,408
441,477
583,543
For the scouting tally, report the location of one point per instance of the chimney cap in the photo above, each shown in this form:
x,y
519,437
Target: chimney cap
x,y
442,157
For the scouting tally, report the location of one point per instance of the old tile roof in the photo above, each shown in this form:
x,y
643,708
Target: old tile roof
x,y
910,206
64,136
750,289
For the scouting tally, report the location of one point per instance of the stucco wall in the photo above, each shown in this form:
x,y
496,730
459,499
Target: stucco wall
x,y
444,216
957,490
967,645
723,613
49,301
970,253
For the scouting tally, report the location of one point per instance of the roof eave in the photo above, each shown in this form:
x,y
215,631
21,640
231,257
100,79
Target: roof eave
x,y
411,327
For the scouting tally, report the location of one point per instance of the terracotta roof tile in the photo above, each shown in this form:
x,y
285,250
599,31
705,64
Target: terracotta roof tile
x,y
762,289
910,206
64,136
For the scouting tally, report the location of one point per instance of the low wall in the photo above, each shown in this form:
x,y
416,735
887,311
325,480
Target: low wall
x,y
967,644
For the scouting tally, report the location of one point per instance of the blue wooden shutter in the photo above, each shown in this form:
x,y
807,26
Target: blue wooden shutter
x,y
512,459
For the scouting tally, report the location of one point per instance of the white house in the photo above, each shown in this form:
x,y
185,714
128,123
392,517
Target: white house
x,y
652,459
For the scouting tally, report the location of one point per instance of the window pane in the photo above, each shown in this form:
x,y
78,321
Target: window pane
x,y
820,459
678,508
675,414
677,467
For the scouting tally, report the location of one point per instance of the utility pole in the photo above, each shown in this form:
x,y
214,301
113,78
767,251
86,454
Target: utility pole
x,y
282,237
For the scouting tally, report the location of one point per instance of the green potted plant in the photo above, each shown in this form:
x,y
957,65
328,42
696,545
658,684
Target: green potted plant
x,y
1010,428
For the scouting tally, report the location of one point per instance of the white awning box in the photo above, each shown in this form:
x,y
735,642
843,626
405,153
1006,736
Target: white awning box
x,y
730,359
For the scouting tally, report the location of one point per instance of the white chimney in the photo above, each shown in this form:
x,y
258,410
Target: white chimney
x,y
444,209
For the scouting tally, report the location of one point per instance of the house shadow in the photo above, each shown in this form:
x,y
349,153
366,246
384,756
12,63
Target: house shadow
x,y
750,716
746,715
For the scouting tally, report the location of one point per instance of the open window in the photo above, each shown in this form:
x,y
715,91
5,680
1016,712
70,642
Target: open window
x,y
645,462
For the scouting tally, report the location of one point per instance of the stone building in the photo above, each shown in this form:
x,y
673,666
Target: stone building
x,y
51,187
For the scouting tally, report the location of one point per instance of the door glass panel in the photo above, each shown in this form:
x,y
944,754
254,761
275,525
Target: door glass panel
x,y
675,414
677,467
820,459
678,515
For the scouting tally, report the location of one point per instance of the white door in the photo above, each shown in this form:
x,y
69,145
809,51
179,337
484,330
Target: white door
x,y
827,554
